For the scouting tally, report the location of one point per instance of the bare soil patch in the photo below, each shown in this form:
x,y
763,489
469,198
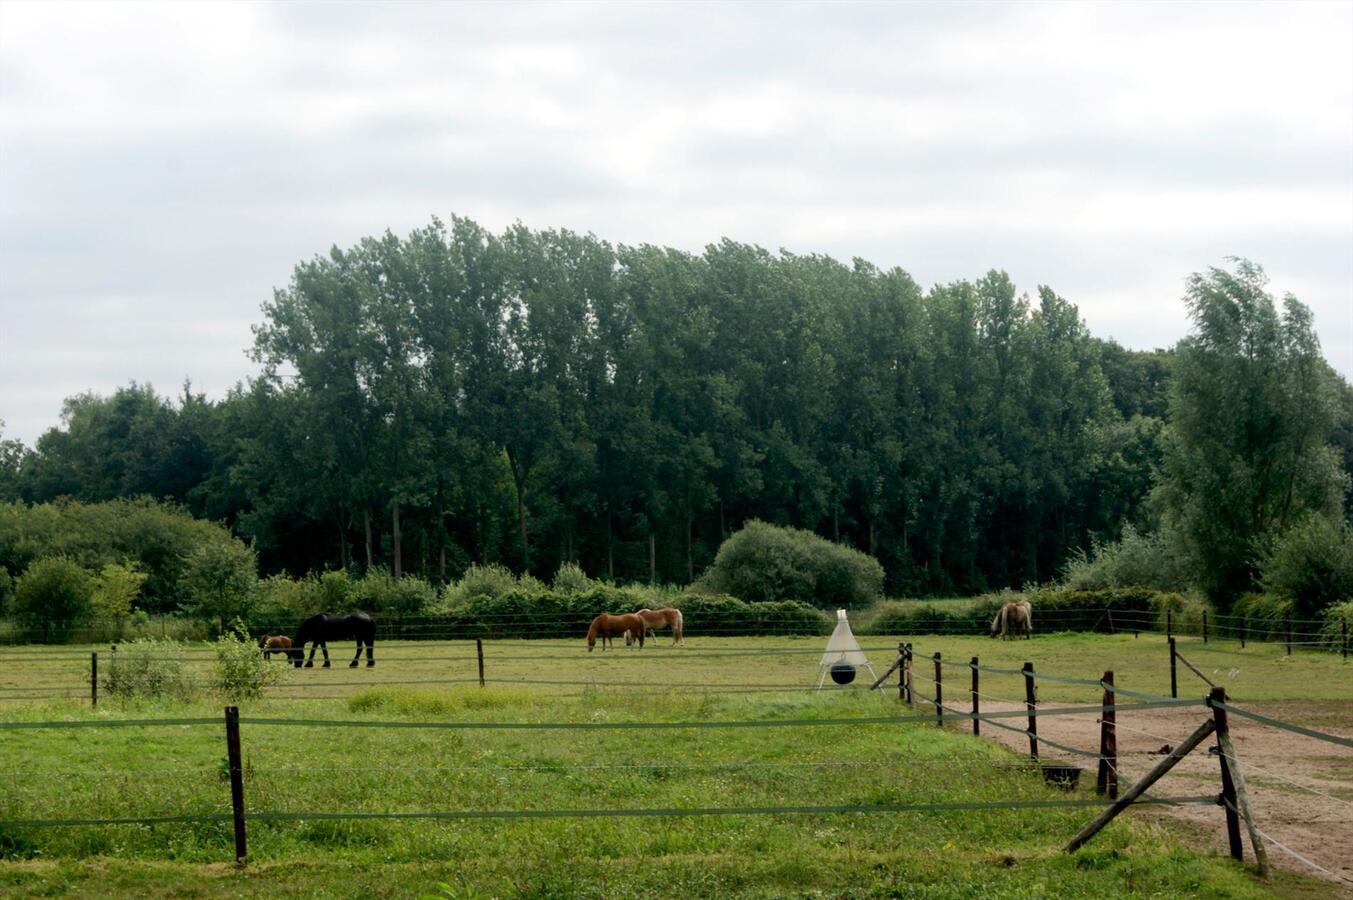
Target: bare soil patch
x,y
1301,788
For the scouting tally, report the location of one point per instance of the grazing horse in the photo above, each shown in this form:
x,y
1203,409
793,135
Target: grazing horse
x,y
318,630
667,617
270,642
609,627
1014,617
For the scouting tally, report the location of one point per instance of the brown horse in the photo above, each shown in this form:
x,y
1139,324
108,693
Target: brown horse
x,y
667,617
1016,617
269,643
609,627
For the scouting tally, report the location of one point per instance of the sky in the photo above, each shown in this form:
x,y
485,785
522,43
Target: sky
x,y
163,167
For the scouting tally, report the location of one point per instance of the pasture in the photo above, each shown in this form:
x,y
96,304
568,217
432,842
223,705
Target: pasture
x,y
296,773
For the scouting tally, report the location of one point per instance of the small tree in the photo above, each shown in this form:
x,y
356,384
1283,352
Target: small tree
x,y
116,588
55,590
241,672
220,579
1311,564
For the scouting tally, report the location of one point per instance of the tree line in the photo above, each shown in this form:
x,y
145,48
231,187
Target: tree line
x,y
532,398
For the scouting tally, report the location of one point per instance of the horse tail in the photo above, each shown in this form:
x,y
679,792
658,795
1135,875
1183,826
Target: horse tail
x,y
680,627
997,625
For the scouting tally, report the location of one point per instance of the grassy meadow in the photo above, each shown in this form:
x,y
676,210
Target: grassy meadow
x,y
298,773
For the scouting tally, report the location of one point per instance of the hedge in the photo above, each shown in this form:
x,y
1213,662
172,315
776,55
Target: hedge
x,y
1106,610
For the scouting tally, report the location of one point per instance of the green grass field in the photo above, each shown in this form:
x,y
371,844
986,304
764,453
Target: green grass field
x,y
167,770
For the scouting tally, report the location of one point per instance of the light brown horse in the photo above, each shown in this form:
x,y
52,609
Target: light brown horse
x,y
610,627
269,643
1016,617
667,617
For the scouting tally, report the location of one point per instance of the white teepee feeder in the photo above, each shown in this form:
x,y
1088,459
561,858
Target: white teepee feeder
x,y
842,649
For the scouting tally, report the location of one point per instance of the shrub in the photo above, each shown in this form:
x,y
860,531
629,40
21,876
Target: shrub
x,y
1113,609
55,590
766,562
380,593
483,581
1337,617
147,669
6,590
115,591
1264,616
1135,560
282,602
571,579
241,672
219,578
1310,564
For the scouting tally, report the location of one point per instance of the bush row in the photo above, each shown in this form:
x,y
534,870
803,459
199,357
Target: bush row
x,y
1053,610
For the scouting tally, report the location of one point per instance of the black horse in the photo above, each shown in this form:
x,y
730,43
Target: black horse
x,y
318,630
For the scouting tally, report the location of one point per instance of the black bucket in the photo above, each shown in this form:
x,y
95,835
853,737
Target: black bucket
x,y
1065,777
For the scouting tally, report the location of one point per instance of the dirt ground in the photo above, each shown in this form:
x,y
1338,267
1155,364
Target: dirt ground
x,y
1301,788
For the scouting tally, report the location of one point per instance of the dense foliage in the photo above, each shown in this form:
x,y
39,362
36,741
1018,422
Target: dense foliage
x,y
764,562
535,397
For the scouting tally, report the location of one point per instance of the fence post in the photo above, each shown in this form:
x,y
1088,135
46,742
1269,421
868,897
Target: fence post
x,y
1204,626
911,681
902,672
976,704
94,678
939,692
479,649
1031,703
1289,637
1343,630
1174,677
1235,799
1242,632
1106,780
1169,624
232,723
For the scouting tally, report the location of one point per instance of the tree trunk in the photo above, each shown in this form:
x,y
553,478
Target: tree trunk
x,y
519,482
873,543
343,552
610,547
652,555
690,558
366,525
836,523
396,542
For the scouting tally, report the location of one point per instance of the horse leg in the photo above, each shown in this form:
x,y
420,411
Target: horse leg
x,y
370,649
353,664
310,663
325,647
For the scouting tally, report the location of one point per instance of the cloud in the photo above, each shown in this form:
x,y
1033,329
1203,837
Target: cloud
x,y
162,167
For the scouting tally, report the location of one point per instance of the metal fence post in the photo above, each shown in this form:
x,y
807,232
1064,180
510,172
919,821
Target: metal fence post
x,y
1343,630
902,672
1204,626
232,723
1169,623
94,678
479,649
1289,637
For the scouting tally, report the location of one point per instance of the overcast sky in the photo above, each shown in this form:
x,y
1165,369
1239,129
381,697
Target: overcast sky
x,y
163,167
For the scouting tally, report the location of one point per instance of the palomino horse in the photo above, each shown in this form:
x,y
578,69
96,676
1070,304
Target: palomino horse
x,y
318,630
1014,617
609,627
270,642
667,617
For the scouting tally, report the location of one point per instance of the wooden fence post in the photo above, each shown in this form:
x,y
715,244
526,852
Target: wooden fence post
x,y
1106,780
1142,785
902,672
479,649
1169,624
1242,632
939,691
1031,703
911,676
1174,677
976,703
232,723
1204,626
1289,637
1235,798
94,678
